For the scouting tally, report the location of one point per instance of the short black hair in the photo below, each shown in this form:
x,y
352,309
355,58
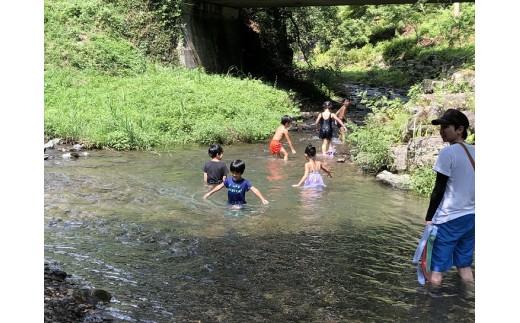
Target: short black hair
x,y
310,150
215,150
285,119
237,166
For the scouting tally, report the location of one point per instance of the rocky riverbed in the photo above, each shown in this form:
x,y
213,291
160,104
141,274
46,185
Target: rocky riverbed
x,y
70,300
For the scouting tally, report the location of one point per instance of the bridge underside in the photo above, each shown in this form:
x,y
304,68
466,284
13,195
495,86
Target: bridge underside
x,y
306,3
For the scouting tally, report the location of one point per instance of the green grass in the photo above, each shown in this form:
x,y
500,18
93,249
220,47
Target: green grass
x,y
116,37
110,81
161,107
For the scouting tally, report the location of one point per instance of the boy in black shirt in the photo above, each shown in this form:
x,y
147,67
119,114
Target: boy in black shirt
x,y
215,170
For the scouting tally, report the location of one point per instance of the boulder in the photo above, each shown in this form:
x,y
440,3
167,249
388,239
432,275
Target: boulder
x,y
459,101
401,182
471,119
423,151
72,155
100,295
464,76
400,156
429,86
51,143
77,147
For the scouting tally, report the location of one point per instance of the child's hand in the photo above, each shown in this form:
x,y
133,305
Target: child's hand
x,y
293,151
205,196
264,202
295,185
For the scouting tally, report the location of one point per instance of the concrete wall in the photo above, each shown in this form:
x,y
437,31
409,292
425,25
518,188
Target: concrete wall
x,y
212,37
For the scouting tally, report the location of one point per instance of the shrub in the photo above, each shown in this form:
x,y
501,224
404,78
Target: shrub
x,y
423,180
111,56
384,126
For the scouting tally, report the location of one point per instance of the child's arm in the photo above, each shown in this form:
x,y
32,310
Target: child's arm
x,y
257,193
215,189
205,177
318,119
326,170
304,177
286,133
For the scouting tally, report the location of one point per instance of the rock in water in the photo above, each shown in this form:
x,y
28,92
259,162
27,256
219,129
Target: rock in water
x,y
101,295
397,181
72,155
77,147
51,143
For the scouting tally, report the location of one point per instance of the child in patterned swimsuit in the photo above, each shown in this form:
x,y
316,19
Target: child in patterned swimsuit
x,y
325,121
312,177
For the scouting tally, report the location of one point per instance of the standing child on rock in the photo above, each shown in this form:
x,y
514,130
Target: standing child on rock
x,y
237,186
325,120
275,146
215,170
312,177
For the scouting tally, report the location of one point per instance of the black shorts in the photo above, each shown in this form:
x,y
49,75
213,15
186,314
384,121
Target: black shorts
x,y
325,134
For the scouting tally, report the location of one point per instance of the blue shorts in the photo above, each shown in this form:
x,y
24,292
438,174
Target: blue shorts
x,y
454,244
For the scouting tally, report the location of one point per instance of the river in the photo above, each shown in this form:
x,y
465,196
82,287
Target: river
x,y
135,224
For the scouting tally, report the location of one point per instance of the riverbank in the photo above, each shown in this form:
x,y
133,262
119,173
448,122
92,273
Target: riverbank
x,y
396,140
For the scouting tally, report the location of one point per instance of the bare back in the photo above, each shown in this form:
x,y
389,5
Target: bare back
x,y
329,115
341,112
313,166
280,131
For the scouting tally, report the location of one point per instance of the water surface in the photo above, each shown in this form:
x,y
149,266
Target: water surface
x,y
135,224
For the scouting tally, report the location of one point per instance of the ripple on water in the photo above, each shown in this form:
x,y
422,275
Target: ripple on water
x,y
139,228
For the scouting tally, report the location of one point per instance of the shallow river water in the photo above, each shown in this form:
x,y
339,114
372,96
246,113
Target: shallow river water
x,y
135,224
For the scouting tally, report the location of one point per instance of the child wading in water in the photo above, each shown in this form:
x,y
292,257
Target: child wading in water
x,y
237,186
215,170
312,176
341,114
325,120
275,146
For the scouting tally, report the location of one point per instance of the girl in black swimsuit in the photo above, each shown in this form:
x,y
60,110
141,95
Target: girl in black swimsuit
x,y
325,120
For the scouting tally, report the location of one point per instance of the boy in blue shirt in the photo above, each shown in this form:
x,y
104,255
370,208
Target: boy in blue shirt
x,y
237,186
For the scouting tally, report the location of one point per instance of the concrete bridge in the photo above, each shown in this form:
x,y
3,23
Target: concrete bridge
x,y
216,37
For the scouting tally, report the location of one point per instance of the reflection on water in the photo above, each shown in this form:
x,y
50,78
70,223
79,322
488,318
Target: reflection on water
x,y
135,224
